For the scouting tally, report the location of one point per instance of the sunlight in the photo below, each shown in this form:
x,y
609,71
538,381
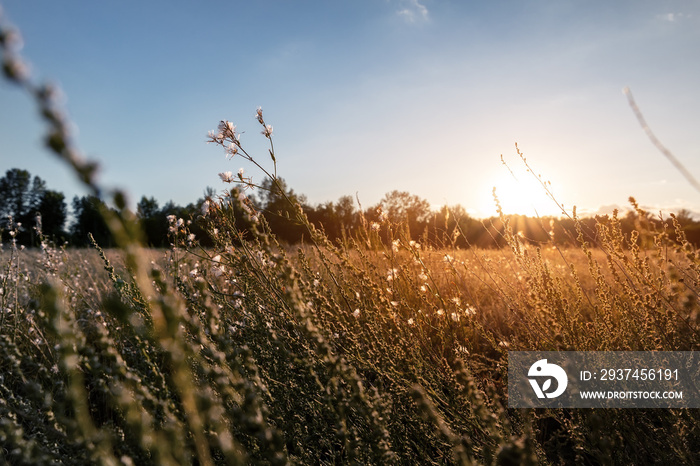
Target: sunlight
x,y
519,193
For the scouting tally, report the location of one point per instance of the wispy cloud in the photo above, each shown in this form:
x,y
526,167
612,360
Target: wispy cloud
x,y
413,11
673,17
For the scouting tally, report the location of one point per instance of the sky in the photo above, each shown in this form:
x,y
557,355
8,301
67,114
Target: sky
x,y
370,96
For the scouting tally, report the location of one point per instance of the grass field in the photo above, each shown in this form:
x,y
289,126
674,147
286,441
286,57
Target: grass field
x,y
392,353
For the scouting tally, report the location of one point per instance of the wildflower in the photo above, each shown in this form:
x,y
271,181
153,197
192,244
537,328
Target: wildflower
x,y
410,321
454,317
395,303
470,310
171,218
374,226
232,148
448,258
456,300
504,344
440,312
226,177
356,313
395,245
423,276
423,288
218,269
267,132
205,207
240,173
258,114
16,69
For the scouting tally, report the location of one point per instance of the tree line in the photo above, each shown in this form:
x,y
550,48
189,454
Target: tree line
x,y
23,198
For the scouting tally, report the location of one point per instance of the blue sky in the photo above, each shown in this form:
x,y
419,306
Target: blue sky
x,y
369,96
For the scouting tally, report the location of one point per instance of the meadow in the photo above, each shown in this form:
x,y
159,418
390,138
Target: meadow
x,y
377,349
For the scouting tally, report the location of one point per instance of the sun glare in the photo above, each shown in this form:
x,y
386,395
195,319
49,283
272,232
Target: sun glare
x,y
519,194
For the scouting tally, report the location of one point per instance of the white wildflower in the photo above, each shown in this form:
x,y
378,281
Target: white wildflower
x,y
226,177
232,148
356,313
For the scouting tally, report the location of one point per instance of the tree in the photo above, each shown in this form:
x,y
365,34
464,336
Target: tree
x,y
153,221
54,212
14,192
406,208
336,219
21,197
279,212
88,219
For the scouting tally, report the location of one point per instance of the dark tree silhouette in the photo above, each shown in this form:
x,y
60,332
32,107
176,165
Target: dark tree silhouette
x,y
23,197
274,200
54,212
153,220
88,219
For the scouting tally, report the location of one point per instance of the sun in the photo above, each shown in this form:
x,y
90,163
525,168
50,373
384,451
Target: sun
x,y
520,194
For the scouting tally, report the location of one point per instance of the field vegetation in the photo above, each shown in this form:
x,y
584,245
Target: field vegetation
x,y
377,347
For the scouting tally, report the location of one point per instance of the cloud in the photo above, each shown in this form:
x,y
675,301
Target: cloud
x,y
673,17
413,11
